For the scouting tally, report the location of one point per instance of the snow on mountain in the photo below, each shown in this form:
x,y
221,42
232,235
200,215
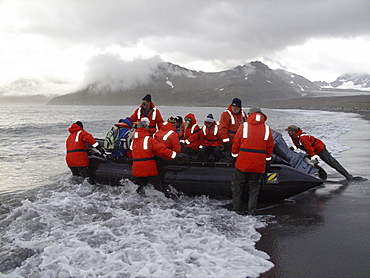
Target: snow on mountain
x,y
300,83
354,81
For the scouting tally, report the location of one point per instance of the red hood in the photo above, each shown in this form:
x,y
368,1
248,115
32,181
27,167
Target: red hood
x,y
256,118
192,117
74,128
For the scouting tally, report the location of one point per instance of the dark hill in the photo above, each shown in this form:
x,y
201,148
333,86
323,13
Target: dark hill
x,y
171,84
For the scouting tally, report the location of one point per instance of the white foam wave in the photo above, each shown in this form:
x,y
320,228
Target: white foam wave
x,y
81,230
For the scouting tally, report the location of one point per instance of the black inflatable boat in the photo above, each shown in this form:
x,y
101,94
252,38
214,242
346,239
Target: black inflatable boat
x,y
289,174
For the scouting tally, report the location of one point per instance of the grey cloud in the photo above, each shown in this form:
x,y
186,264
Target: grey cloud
x,y
204,30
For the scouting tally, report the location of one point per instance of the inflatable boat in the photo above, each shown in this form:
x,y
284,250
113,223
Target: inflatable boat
x,y
289,174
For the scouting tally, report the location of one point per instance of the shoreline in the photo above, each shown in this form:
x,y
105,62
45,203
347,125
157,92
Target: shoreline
x,y
324,232
359,104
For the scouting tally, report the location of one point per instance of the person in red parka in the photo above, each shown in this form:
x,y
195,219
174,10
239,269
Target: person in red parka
x,y
191,141
147,109
210,140
252,147
230,121
315,148
167,135
77,146
144,167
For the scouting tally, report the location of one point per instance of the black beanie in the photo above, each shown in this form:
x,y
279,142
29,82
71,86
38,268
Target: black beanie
x,y
237,102
80,124
148,98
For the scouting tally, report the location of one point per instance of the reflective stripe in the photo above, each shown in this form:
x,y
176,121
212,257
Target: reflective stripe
x,y
267,132
173,155
215,130
146,145
258,117
234,155
245,130
95,145
77,135
192,128
154,115
167,135
231,117
268,158
226,140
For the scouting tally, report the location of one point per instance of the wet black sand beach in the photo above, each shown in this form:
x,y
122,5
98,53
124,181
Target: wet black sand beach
x,y
325,232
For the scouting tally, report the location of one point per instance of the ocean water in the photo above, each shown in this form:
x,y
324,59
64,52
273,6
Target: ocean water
x,y
52,225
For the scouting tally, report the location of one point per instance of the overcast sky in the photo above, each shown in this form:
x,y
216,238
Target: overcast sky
x,y
317,39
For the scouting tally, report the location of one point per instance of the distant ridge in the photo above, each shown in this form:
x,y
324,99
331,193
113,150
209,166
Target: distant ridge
x,y
171,84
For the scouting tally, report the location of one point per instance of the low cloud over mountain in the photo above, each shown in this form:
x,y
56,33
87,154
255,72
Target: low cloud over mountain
x,y
119,83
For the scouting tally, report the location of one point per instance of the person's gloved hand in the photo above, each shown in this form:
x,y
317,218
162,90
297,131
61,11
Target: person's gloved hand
x,y
101,150
313,160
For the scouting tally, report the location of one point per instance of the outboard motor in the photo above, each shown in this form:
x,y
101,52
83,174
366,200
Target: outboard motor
x,y
283,154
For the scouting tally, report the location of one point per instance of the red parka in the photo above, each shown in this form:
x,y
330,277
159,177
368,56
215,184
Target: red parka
x,y
154,117
211,136
253,144
76,145
229,124
167,134
192,133
144,147
308,143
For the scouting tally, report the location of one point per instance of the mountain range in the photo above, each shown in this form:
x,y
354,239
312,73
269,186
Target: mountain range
x,y
170,84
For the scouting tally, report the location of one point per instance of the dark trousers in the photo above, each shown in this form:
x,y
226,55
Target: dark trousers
x,y
189,151
83,172
206,151
245,181
332,162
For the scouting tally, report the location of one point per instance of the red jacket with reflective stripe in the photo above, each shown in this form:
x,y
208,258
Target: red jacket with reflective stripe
x,y
144,147
154,117
308,143
229,124
253,144
167,135
211,136
192,133
76,145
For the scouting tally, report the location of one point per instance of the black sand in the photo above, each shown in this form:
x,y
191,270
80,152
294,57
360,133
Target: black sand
x,y
325,232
